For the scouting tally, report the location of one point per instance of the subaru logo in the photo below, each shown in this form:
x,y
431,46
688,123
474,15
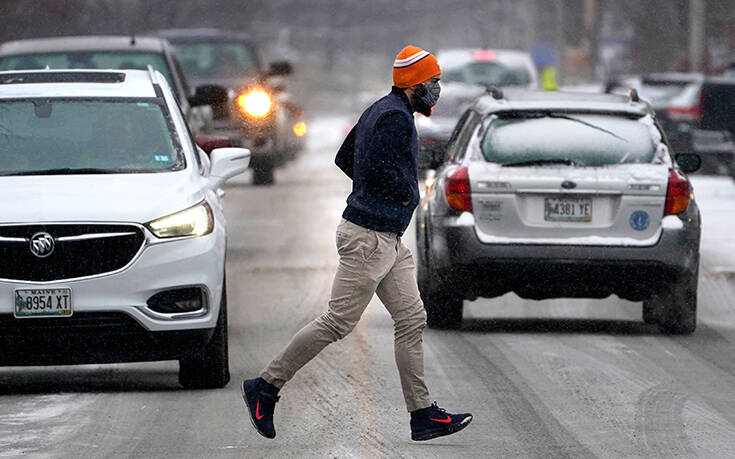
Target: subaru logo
x,y
42,245
568,184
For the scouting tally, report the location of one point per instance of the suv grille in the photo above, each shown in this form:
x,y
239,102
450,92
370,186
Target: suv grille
x,y
78,251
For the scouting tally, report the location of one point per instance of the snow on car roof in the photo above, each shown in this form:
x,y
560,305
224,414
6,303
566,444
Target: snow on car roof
x,y
83,43
526,100
91,83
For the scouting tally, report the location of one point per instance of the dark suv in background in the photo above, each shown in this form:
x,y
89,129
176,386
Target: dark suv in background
x,y
258,113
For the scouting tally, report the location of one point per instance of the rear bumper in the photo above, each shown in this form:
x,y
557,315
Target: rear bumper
x,y
92,338
539,271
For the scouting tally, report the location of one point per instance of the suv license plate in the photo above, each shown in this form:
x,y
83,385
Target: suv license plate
x,y
568,209
53,302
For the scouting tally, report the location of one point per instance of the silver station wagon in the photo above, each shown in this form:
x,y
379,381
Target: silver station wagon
x,y
554,195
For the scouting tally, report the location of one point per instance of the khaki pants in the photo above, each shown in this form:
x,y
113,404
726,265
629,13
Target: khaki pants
x,y
369,262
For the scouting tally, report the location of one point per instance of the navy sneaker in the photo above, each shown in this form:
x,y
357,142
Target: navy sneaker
x,y
435,422
261,398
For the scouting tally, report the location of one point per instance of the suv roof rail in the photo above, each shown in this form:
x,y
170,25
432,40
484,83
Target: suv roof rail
x,y
51,76
633,93
496,92
151,73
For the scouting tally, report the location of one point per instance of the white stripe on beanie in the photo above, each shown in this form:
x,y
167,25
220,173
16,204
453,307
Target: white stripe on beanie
x,y
399,63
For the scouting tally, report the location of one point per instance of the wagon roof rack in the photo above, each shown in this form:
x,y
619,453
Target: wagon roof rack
x,y
51,76
495,92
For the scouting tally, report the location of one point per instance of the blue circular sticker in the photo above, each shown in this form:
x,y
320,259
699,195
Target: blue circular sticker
x,y
639,220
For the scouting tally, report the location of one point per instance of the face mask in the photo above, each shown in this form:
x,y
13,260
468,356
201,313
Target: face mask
x,y
425,97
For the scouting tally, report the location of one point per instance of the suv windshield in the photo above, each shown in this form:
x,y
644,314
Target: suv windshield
x,y
53,136
576,139
217,59
88,60
488,74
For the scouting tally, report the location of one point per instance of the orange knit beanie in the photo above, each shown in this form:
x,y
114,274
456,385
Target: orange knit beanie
x,y
414,65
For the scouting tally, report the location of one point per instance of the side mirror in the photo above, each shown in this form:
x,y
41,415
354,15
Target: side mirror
x,y
280,68
211,142
209,94
228,162
688,162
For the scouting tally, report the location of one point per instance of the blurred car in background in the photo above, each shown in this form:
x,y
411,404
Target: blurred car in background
x,y
695,112
113,232
116,52
549,195
434,131
657,89
715,148
704,104
488,67
260,113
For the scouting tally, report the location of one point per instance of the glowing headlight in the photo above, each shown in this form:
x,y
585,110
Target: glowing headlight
x,y
256,103
299,129
194,221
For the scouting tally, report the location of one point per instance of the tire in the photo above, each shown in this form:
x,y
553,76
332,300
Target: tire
x,y
679,307
263,174
209,369
651,310
443,311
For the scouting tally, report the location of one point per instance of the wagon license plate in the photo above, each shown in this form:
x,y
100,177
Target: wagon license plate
x,y
568,209
53,302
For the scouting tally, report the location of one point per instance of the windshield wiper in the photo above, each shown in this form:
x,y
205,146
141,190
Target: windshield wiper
x,y
542,162
593,126
64,171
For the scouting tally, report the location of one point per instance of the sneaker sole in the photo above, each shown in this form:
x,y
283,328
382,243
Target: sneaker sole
x,y
250,412
451,430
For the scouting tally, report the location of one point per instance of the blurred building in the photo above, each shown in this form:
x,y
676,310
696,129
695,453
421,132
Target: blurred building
x,y
343,45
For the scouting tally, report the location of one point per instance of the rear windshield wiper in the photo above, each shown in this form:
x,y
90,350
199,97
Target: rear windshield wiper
x,y
542,162
593,126
63,171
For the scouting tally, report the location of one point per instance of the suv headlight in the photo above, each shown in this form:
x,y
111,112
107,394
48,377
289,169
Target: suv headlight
x,y
194,221
256,103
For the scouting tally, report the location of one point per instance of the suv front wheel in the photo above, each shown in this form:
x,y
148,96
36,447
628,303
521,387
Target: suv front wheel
x,y
209,369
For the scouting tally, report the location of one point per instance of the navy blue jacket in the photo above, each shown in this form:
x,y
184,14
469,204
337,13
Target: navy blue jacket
x,y
380,155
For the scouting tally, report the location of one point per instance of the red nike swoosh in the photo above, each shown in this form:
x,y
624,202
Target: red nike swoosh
x,y
445,421
258,416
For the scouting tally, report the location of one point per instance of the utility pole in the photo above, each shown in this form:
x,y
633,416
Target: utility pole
x,y
591,24
559,38
697,15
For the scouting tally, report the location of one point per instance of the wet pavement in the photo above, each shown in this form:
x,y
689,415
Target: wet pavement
x,y
554,378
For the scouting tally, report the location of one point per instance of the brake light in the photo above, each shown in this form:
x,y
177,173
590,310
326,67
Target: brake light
x,y
484,55
457,190
677,194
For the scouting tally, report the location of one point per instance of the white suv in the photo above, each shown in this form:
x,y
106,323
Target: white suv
x,y
112,235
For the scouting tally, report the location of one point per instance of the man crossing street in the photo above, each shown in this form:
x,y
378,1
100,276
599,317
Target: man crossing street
x,y
380,156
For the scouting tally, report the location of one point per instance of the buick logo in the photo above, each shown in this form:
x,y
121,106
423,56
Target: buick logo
x,y
42,245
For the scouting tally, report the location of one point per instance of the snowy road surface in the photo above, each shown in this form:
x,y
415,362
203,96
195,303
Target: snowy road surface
x,y
556,378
